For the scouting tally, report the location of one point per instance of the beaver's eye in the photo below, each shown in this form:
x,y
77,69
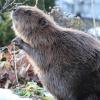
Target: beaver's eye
x,y
28,12
43,22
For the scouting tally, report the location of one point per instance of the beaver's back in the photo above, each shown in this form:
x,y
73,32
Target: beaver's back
x,y
74,71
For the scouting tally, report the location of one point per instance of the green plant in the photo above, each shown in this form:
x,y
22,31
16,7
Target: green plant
x,y
31,89
6,33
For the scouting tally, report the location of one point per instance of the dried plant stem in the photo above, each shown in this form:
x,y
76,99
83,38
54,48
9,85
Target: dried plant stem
x,y
93,13
15,64
36,3
44,6
6,5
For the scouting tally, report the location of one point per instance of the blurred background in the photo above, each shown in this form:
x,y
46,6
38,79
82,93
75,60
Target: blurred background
x,y
80,14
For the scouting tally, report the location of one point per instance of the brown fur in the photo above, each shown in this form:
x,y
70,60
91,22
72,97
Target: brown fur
x,y
67,61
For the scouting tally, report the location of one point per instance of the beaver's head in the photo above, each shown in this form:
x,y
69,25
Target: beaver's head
x,y
30,19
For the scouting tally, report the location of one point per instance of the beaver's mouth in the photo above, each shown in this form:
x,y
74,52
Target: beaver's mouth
x,y
15,13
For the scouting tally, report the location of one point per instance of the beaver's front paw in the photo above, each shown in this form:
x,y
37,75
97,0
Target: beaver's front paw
x,y
18,42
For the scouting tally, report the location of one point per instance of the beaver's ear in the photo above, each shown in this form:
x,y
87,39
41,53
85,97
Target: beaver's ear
x,y
43,22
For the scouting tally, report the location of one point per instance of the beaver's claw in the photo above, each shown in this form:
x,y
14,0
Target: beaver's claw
x,y
18,42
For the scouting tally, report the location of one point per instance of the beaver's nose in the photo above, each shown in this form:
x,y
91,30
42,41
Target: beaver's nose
x,y
14,9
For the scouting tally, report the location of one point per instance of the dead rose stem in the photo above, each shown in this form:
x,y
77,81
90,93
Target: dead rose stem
x,y
14,56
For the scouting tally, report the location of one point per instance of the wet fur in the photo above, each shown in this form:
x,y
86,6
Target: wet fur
x,y
67,61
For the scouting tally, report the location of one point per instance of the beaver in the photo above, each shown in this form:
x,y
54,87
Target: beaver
x,y
67,61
